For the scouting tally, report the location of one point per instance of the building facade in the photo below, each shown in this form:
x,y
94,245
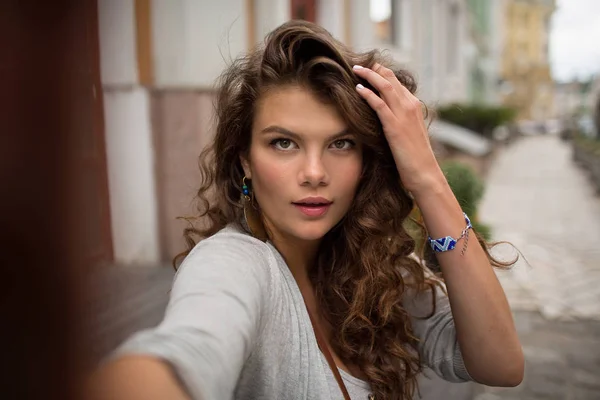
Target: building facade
x,y
526,74
485,43
577,99
428,37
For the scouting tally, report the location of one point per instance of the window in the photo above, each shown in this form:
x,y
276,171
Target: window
x,y
382,18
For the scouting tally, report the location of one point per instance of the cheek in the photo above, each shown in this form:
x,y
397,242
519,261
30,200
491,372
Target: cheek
x,y
349,175
269,176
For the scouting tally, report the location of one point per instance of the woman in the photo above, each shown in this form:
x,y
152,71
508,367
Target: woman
x,y
307,287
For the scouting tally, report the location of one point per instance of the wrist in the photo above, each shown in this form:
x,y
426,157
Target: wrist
x,y
427,184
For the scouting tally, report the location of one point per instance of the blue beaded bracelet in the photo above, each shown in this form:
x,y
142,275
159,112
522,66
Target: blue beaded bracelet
x,y
449,243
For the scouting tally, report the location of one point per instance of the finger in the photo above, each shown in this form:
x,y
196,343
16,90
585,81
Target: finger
x,y
409,102
386,89
389,75
385,114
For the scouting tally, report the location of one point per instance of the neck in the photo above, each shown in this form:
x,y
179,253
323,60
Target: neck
x,y
299,256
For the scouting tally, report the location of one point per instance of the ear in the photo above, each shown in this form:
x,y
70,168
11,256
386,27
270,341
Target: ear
x,y
246,166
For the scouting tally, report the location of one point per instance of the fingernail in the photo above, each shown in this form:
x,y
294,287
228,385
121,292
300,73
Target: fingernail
x,y
357,67
360,87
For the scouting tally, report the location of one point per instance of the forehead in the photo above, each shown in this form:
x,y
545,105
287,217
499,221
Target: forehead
x,y
297,109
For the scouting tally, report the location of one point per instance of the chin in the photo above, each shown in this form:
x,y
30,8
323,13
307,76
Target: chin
x,y
312,230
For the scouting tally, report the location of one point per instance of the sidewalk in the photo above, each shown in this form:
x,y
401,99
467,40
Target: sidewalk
x,y
540,201
562,361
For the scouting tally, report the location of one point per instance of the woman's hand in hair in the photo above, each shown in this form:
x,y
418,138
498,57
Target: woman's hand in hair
x,y
402,118
483,324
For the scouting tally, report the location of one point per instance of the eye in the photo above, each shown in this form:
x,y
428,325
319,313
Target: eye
x,y
343,144
283,144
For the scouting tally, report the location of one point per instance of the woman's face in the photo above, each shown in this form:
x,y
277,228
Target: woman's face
x,y
304,164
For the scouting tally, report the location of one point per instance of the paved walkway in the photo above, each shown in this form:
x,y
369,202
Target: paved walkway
x,y
562,361
540,201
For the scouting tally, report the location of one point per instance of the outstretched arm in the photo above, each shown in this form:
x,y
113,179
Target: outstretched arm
x,y
212,322
135,378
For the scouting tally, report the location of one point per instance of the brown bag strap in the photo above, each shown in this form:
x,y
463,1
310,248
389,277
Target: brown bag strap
x,y
325,350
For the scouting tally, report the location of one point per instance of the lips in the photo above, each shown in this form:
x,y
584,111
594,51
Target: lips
x,y
313,206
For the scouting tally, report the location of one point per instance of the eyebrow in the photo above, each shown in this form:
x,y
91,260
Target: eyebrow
x,y
294,135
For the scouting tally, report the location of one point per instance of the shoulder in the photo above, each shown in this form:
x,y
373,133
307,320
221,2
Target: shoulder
x,y
230,252
230,241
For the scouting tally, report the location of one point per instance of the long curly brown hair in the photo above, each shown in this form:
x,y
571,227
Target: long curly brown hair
x,y
363,266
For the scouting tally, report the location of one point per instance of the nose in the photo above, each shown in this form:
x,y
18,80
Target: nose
x,y
314,172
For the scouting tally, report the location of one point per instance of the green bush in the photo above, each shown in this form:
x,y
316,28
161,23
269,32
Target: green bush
x,y
481,119
468,189
590,144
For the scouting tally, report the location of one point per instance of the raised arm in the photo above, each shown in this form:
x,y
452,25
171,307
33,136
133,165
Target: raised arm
x,y
481,314
484,326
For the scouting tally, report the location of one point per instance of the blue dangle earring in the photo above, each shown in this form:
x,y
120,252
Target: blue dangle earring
x,y
251,213
245,190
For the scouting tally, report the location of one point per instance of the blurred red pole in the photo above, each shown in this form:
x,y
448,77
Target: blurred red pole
x,y
42,264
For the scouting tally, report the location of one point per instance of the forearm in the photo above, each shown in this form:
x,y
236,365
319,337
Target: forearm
x,y
134,377
483,320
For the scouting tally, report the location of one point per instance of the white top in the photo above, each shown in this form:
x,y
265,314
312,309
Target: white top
x,y
236,327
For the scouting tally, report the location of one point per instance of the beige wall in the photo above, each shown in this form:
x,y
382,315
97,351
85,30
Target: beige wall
x,y
156,132
129,148
182,126
193,44
118,64
193,40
